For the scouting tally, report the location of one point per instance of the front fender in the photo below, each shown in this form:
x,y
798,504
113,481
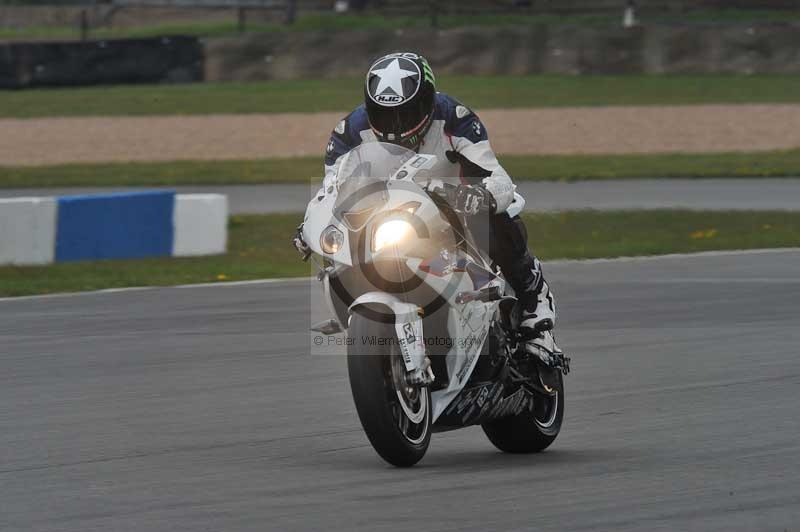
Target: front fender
x,y
407,324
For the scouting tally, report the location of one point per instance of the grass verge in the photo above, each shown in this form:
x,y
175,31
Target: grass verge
x,y
480,92
309,169
259,247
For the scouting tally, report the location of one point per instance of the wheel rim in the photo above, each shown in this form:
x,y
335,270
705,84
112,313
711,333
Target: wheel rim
x,y
412,408
546,410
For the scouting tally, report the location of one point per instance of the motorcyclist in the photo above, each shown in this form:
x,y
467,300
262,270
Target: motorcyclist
x,y
402,106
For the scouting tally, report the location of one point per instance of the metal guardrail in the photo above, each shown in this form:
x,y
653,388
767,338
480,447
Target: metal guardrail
x,y
433,10
241,6
255,4
528,6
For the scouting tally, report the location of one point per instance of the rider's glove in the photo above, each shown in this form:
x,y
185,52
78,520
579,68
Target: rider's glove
x,y
300,244
472,199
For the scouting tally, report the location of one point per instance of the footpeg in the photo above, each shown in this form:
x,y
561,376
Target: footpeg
x,y
542,327
544,348
327,327
560,361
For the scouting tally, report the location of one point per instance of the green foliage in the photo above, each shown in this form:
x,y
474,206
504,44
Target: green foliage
x,y
342,95
700,165
259,247
296,170
309,169
596,234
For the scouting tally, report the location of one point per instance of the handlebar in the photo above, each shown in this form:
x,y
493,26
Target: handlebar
x,y
450,194
485,295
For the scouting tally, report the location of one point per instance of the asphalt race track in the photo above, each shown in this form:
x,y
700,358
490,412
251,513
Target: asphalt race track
x,y
711,194
202,409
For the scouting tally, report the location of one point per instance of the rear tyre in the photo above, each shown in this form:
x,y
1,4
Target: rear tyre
x,y
530,432
396,416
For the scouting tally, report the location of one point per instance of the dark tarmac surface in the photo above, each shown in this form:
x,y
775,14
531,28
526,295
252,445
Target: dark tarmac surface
x,y
698,194
202,409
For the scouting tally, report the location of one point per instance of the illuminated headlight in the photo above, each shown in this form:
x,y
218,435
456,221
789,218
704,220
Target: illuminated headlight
x,y
390,233
331,240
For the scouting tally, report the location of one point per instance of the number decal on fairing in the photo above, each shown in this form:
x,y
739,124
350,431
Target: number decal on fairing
x,y
412,346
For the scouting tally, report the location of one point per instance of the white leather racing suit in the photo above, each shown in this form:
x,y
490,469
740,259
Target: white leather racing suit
x,y
455,130
460,142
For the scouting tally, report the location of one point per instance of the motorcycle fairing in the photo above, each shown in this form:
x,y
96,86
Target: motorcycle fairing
x,y
468,322
484,402
442,265
481,277
318,215
407,323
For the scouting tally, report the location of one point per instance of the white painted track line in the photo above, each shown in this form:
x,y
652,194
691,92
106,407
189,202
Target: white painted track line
x,y
231,284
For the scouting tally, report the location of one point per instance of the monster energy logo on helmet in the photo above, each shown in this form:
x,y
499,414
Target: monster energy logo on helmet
x,y
427,71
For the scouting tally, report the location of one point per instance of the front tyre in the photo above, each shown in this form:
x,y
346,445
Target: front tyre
x,y
395,415
530,432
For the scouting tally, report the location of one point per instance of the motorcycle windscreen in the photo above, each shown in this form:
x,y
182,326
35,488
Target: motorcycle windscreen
x,y
361,181
358,199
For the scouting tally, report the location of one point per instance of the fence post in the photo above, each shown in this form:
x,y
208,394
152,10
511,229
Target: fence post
x,y
241,19
629,15
434,7
84,25
291,11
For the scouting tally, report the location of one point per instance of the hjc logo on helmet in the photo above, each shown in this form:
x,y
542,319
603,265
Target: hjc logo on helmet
x,y
387,99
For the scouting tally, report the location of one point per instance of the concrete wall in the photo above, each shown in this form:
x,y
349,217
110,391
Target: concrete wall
x,y
27,230
743,49
201,224
516,50
106,15
112,226
115,226
155,60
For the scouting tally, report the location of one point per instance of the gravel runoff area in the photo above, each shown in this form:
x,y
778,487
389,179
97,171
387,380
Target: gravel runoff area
x,y
647,129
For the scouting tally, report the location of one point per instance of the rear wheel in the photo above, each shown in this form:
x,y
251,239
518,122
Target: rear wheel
x,y
530,432
395,414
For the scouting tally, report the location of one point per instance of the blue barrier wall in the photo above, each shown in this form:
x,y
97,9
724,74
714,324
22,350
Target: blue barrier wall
x,y
115,226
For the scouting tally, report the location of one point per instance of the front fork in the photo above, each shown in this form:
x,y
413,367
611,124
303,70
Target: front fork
x,y
407,319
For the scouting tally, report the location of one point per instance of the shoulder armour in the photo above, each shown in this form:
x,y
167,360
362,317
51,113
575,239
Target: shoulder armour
x,y
459,120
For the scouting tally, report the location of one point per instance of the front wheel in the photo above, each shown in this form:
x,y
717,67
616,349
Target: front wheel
x,y
396,415
530,432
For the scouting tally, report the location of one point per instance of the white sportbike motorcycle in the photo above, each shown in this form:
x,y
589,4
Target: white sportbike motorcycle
x,y
432,342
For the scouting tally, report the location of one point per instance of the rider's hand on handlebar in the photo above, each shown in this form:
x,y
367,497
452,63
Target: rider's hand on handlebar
x,y
300,244
473,199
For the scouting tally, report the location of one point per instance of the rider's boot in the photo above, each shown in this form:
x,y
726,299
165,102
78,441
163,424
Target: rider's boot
x,y
538,308
538,313
533,293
